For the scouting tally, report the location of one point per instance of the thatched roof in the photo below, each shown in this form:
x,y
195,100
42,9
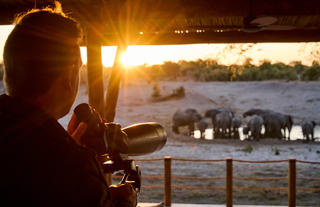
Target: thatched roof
x,y
188,21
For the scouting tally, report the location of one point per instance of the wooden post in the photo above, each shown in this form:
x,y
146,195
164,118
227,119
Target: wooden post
x,y
94,67
114,85
167,181
113,91
292,183
229,182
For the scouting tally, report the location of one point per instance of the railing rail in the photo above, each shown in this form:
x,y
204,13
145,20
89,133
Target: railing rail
x,y
229,188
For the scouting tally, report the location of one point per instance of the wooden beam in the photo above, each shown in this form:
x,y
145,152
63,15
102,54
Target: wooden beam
x,y
168,9
114,85
167,181
229,182
219,37
162,15
94,67
292,183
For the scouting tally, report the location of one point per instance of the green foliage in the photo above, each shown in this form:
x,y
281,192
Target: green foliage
x,y
312,73
155,91
171,69
248,149
276,151
211,70
176,93
179,92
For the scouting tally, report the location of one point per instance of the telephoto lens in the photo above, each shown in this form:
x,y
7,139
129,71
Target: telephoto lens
x,y
134,140
145,138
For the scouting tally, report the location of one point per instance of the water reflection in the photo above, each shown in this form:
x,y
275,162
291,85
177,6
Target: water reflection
x,y
296,133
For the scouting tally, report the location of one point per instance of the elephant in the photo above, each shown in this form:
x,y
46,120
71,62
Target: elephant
x,y
187,117
271,119
245,131
202,126
272,125
286,122
235,124
308,129
255,125
223,123
227,109
212,113
258,112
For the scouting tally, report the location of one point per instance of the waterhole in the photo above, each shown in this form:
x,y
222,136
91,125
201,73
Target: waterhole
x,y
296,133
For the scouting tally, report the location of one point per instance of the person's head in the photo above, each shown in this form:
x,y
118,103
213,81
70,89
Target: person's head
x,y
42,58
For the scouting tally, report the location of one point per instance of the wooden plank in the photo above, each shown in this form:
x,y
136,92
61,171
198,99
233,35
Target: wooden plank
x,y
114,85
229,184
292,183
161,17
167,181
94,67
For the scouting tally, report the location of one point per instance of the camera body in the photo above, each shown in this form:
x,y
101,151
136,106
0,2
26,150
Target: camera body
x,y
116,144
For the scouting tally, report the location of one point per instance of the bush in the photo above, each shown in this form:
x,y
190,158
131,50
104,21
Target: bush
x,y
210,70
171,69
312,73
248,149
155,91
276,151
179,92
248,74
221,75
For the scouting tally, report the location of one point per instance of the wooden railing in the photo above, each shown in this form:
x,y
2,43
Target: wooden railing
x,y
229,187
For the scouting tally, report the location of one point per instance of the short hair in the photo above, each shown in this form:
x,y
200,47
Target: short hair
x,y
42,41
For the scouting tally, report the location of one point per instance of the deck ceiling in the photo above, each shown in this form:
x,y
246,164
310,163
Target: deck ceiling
x,y
154,22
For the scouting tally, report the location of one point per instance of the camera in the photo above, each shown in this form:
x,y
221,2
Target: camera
x,y
116,144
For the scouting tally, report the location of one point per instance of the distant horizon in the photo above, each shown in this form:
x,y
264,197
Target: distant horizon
x,y
226,54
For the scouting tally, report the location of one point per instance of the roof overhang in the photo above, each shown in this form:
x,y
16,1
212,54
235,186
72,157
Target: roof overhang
x,y
158,22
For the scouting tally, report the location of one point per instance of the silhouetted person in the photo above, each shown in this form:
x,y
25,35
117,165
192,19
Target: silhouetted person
x,y
42,164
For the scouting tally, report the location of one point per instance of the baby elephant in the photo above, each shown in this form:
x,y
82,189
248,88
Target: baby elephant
x,y
245,132
254,127
187,117
308,129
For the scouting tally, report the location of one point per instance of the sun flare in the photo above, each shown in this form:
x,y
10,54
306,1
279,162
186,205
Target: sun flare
x,y
139,55
129,59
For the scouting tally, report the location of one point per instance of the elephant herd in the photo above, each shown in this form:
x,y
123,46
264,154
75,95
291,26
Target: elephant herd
x,y
226,124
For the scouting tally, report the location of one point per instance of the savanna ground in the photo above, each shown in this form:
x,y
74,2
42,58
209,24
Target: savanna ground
x,y
299,99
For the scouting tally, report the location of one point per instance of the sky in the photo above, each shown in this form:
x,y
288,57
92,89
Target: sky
x,y
139,55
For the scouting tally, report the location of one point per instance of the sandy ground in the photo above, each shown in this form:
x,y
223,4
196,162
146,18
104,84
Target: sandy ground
x,y
299,99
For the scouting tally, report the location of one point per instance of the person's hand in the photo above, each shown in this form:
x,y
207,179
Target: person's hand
x,y
123,195
76,129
